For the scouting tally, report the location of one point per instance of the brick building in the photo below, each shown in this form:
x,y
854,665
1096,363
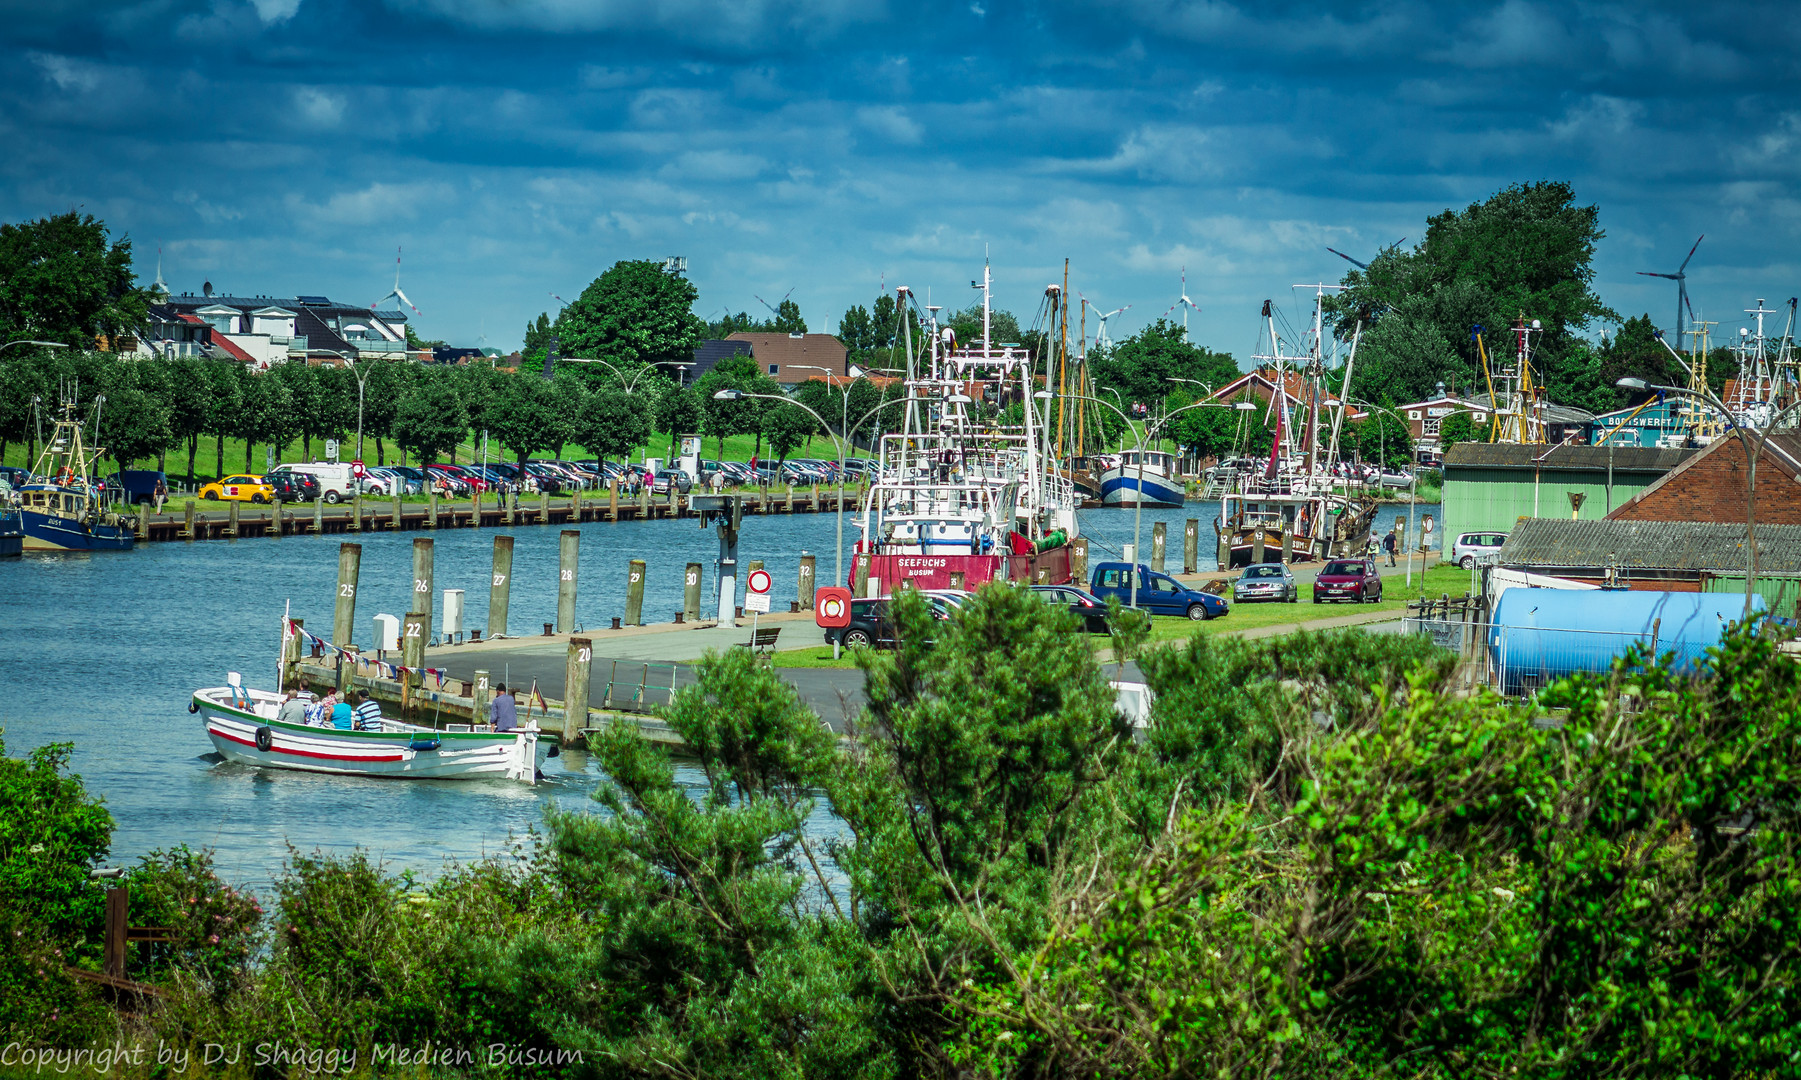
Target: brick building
x,y
792,359
1711,486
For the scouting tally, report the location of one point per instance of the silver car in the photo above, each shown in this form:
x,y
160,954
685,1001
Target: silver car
x,y
1266,581
1477,548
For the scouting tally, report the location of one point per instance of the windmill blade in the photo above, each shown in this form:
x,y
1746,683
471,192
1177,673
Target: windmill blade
x,y
767,304
1691,253
1347,258
1691,307
407,302
1648,273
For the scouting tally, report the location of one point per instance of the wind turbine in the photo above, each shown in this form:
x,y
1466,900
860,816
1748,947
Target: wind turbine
x,y
396,293
1184,303
1358,263
1680,277
772,307
1101,340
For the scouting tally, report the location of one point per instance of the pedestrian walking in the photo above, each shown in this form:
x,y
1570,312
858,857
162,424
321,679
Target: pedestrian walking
x,y
159,495
1389,545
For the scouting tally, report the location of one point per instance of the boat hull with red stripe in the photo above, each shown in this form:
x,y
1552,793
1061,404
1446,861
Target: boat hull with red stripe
x,y
243,729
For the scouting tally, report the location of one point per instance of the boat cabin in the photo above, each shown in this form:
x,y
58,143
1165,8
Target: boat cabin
x,y
53,500
1154,461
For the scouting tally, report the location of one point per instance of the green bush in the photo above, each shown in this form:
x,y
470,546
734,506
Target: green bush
x,y
52,834
216,928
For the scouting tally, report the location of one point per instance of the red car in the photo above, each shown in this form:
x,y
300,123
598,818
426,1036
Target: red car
x,y
1355,580
461,480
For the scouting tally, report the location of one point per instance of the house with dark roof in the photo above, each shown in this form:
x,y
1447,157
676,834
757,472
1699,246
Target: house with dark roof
x,y
1488,487
1664,556
792,359
710,352
271,330
1713,485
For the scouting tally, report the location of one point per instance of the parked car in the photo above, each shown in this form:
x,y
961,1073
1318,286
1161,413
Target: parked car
x,y
1353,580
1266,581
416,476
799,472
389,480
293,487
872,623
1157,593
334,478
136,485
14,475
1473,548
453,480
1084,605
671,478
242,487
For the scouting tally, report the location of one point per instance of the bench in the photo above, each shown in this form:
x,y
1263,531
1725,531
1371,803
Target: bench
x,y
761,640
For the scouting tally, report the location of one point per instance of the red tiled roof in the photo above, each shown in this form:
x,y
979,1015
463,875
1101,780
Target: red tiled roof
x,y
220,341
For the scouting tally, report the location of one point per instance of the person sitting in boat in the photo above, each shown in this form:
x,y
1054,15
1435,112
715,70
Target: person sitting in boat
x,y
502,712
318,710
367,712
343,717
292,711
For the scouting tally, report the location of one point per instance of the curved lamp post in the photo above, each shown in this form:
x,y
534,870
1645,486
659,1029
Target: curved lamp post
x,y
30,341
1413,487
1752,442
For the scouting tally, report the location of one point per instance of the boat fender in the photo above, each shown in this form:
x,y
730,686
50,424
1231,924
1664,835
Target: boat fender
x,y
264,739
422,744
193,706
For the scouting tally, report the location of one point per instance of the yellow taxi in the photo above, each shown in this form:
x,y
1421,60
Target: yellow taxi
x,y
240,488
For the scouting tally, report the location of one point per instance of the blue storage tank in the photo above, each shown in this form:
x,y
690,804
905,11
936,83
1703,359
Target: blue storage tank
x,y
1540,635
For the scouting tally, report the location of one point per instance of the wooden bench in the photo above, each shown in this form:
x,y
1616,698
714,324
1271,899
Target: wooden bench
x,y
761,640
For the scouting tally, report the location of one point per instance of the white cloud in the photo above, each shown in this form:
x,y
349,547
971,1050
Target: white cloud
x,y
891,122
68,74
320,108
274,11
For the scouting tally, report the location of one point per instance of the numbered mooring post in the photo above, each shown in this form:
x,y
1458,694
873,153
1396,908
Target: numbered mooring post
x,y
501,587
1223,552
1159,545
415,629
1288,545
422,578
481,691
187,531
575,689
634,594
144,523
806,581
859,573
275,520
343,622
1257,546
1191,546
1078,561
568,553
691,593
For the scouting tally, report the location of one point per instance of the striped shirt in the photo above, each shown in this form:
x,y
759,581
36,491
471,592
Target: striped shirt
x,y
368,715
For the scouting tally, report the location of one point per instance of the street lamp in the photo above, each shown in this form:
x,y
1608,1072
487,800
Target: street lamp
x,y
628,387
1138,504
30,341
1752,453
1413,487
855,372
729,394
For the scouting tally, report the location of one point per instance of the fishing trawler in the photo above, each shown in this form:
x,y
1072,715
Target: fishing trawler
x,y
963,497
64,511
1295,505
1148,477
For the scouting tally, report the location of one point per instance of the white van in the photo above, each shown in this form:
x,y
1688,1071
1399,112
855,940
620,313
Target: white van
x,y
335,481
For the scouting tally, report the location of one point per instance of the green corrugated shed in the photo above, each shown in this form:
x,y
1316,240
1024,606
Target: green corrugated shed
x,y
1489,486
1781,592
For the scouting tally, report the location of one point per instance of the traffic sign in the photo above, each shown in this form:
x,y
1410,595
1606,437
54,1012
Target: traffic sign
x,y
356,468
758,582
832,607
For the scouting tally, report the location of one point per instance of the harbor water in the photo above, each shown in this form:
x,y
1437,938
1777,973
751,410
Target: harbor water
x,y
103,650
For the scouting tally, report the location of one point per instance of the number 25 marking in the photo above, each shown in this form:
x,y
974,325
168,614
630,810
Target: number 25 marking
x,y
346,589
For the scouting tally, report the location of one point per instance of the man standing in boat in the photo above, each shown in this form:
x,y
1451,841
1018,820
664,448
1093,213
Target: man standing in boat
x,y
502,712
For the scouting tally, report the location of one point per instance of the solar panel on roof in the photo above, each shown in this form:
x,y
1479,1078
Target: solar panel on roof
x,y
314,301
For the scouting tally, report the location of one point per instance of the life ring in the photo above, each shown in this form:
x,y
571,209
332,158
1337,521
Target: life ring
x,y
193,706
264,739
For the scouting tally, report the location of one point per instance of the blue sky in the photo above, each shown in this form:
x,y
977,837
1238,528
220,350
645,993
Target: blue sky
x,y
517,148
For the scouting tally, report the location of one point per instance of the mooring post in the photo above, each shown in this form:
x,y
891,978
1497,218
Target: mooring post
x,y
575,690
1191,545
1224,552
144,523
575,505
187,532
691,593
543,507
397,507
343,622
501,587
1159,545
356,512
567,555
807,565
1288,544
275,520
431,507
291,652
859,574
414,630
481,692
613,499
634,594
231,513
511,501
318,515
422,578
1257,546
1078,562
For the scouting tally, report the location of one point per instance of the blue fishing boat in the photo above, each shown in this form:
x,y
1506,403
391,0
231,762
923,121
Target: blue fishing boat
x,y
64,512
1148,476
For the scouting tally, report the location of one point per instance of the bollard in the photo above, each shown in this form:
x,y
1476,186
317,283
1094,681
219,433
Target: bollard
x,y
275,521
575,505
350,562
543,507
1159,545
414,630
397,508
481,691
1288,545
501,587
691,593
575,689
356,512
318,515
957,580
231,512
422,578
144,523
567,557
187,532
859,574
1257,546
431,507
1224,552
510,500
1078,561
1191,546
806,581
291,652
644,502
634,594
613,499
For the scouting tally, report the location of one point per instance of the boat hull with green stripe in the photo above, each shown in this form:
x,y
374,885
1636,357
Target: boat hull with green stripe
x,y
242,726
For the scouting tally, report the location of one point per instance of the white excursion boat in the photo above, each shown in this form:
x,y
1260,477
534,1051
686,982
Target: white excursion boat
x,y
242,725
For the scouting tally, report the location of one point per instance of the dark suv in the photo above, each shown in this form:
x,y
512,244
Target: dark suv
x,y
293,487
872,624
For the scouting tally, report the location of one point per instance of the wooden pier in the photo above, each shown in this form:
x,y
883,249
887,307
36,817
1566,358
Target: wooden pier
x,y
378,514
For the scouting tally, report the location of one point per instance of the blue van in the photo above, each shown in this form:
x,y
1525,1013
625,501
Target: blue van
x,y
137,485
1159,594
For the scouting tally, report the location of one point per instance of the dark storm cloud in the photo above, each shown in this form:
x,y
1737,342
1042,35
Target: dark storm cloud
x,y
517,147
